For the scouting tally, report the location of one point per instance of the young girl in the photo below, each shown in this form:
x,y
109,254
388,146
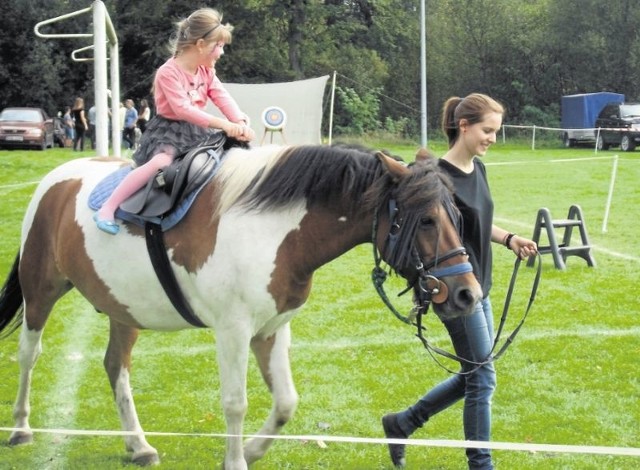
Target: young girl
x,y
181,88
470,125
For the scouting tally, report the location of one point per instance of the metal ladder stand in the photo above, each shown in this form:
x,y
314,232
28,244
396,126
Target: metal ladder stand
x,y
561,251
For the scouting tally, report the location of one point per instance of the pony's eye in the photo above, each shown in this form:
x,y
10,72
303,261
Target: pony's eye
x,y
427,222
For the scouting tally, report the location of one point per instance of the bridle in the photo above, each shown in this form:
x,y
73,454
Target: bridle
x,y
427,285
429,288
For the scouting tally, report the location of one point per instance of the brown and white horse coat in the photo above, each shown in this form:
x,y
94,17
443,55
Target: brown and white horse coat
x,y
244,257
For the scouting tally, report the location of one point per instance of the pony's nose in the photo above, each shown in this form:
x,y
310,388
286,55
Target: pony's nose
x,y
465,299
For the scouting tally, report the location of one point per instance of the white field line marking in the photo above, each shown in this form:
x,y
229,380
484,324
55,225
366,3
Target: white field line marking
x,y
515,446
68,371
381,340
601,249
559,160
615,254
17,185
442,337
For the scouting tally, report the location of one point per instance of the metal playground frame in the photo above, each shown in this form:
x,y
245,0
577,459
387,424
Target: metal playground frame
x,y
103,34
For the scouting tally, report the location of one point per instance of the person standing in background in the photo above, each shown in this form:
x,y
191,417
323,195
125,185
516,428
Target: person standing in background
x,y
68,124
91,118
130,120
143,115
81,125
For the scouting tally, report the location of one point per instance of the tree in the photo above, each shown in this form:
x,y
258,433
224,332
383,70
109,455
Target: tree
x,y
526,53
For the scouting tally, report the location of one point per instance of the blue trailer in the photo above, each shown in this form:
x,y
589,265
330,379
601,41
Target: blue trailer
x,y
579,113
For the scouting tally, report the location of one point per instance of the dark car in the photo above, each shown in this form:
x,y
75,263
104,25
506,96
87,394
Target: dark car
x,y
26,128
619,125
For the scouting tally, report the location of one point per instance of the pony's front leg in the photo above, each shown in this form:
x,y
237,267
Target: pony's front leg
x,y
28,352
233,354
272,354
117,363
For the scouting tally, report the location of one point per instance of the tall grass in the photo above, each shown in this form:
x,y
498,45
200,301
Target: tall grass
x,y
570,377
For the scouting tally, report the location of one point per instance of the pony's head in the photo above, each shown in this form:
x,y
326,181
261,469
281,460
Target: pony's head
x,y
418,234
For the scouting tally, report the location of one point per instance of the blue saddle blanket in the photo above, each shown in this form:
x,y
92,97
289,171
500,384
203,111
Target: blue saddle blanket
x,y
105,187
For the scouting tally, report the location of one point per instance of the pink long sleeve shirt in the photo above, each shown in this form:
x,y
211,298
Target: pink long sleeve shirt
x,y
182,96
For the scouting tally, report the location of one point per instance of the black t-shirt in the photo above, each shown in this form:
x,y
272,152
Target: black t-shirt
x,y
77,117
473,198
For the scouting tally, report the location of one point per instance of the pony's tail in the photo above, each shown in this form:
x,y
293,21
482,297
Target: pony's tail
x,y
11,302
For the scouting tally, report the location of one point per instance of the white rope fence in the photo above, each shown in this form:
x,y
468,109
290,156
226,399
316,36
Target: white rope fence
x,y
321,439
595,130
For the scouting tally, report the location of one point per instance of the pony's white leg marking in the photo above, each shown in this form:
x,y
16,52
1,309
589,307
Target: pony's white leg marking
x,y
233,355
117,362
129,419
28,352
280,380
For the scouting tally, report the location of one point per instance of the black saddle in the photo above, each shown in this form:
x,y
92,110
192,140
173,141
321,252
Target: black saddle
x,y
172,184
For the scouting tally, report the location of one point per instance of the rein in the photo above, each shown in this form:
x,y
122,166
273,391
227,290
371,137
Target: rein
x,y
430,287
505,310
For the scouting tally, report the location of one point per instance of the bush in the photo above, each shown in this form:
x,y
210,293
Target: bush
x,y
356,115
532,115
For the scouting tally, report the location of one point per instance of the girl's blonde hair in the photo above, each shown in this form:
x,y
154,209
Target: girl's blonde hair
x,y
473,108
205,23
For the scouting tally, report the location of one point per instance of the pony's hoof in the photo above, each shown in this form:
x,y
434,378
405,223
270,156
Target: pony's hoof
x,y
146,459
20,438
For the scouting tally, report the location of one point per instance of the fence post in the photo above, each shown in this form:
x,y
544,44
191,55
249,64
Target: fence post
x,y
533,138
614,172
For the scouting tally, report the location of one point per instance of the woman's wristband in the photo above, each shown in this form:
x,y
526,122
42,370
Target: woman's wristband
x,y
507,240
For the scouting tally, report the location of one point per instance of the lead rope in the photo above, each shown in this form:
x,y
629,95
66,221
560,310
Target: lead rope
x,y
490,358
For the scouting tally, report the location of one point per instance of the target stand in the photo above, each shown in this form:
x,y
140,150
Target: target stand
x,y
274,120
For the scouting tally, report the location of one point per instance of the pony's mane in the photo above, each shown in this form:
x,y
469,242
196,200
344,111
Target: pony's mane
x,y
315,173
319,174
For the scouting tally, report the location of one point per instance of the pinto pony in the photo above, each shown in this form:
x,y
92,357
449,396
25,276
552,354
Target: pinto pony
x,y
244,257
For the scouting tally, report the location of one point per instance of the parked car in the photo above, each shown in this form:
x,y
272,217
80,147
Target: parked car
x,y
26,128
619,125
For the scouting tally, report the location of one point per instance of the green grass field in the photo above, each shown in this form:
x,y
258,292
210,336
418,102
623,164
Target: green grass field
x,y
570,378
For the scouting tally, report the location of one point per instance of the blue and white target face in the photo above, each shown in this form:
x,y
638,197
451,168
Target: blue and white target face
x,y
274,118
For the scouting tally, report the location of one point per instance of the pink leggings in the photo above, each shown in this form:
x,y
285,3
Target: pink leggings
x,y
134,181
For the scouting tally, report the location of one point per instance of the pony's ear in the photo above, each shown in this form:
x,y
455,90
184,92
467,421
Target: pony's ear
x,y
395,168
423,154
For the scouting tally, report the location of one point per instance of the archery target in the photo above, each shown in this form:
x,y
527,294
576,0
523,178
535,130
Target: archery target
x,y
274,118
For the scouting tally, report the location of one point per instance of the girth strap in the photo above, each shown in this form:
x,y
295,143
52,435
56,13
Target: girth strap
x,y
166,276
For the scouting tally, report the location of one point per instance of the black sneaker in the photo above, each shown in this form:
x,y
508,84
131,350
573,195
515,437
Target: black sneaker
x,y
392,431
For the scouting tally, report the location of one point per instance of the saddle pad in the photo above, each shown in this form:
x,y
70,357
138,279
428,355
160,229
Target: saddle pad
x,y
105,187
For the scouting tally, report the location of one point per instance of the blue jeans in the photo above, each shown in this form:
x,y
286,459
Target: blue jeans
x,y
472,339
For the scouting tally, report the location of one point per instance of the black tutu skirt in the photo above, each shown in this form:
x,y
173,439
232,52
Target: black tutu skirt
x,y
160,132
